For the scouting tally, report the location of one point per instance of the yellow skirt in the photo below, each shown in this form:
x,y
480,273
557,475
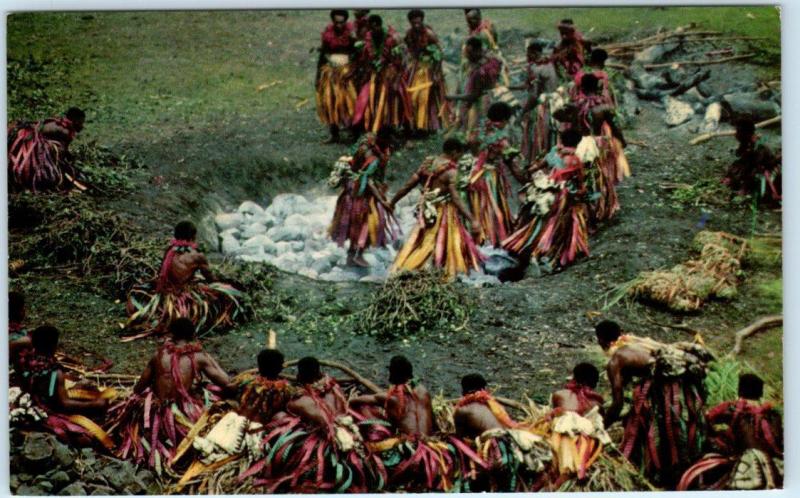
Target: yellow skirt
x,y
336,95
447,245
427,98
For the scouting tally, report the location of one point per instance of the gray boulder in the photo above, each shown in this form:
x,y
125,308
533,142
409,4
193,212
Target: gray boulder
x,y
225,221
655,53
676,111
742,105
250,207
74,489
37,451
253,229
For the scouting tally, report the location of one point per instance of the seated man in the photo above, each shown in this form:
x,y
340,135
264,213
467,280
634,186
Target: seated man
x,y
511,457
175,293
664,427
416,460
575,426
47,400
757,170
440,237
318,447
747,438
38,153
168,398
266,395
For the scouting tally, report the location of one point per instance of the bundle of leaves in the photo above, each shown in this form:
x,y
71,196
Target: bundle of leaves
x,y
262,301
708,192
70,232
104,171
413,303
610,472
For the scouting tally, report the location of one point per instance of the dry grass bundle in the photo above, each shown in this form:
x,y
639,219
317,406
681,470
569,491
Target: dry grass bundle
x,y
610,472
687,286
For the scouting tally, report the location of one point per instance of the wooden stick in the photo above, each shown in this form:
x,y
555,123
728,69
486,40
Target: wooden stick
x,y
633,46
729,133
705,62
763,323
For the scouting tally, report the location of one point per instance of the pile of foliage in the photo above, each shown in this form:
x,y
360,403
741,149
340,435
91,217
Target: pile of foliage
x,y
102,170
70,232
411,303
262,301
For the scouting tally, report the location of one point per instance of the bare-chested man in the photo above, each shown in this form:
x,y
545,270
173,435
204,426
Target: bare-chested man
x,y
266,395
168,397
440,238
320,399
539,129
747,444
663,429
477,411
177,293
41,377
38,153
407,403
579,395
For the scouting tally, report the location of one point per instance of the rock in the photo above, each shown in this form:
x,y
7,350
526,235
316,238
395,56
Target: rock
x,y
225,221
371,259
288,262
677,112
254,229
373,279
88,456
308,272
286,204
120,474
38,450
289,232
741,105
282,247
231,232
265,219
250,207
476,279
322,261
254,255
712,117
257,241
24,477
229,245
100,490
26,490
656,53
297,245
74,489
13,482
63,455
60,479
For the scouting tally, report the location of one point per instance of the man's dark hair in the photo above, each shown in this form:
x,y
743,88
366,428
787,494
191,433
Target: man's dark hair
x,y
270,363
598,56
44,340
746,125
308,370
475,43
75,114
415,14
751,386
400,370
571,137
339,12
607,331
586,374
467,11
16,306
185,230
589,83
375,19
499,111
453,144
567,21
182,329
471,383
535,45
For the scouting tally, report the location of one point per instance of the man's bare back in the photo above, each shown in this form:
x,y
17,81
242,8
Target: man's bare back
x,y
474,419
568,400
627,362
306,407
416,417
158,373
185,265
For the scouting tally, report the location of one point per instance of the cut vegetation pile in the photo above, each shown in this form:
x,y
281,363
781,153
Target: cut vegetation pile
x,y
416,302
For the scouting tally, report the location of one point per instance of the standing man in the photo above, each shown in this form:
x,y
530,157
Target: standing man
x,y
539,129
480,76
336,91
569,55
756,170
440,237
483,29
383,100
426,85
664,427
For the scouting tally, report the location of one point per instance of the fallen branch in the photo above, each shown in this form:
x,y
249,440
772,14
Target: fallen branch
x,y
729,133
640,143
705,62
763,323
636,46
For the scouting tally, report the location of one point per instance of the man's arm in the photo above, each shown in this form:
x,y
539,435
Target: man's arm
x,y
215,373
369,399
53,130
201,264
405,189
146,378
306,409
456,197
14,347
379,195
461,421
615,378
75,405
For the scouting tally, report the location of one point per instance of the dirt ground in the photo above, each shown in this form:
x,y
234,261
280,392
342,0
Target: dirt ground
x,y
524,337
